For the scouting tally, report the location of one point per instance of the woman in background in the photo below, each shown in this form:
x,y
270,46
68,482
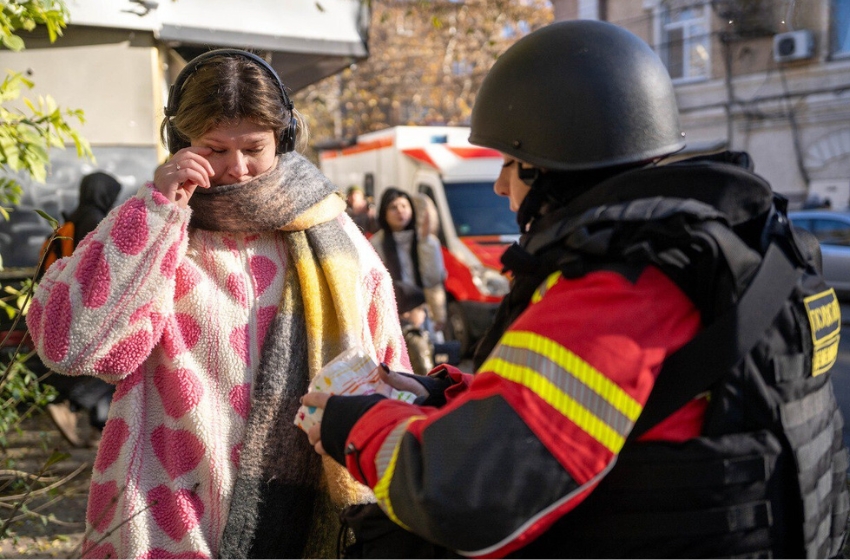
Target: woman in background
x,y
415,263
428,224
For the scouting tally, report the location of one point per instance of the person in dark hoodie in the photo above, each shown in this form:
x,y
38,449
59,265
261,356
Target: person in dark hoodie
x,y
98,193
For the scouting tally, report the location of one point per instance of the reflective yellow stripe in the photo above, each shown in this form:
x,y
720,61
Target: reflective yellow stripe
x,y
574,365
569,384
385,462
547,284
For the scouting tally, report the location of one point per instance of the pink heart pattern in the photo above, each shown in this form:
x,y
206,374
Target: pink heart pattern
x,y
93,276
265,316
186,279
143,312
236,285
34,320
162,553
57,329
130,232
240,399
126,354
168,264
239,343
126,385
115,435
263,269
176,513
102,504
91,550
180,390
179,451
230,244
181,334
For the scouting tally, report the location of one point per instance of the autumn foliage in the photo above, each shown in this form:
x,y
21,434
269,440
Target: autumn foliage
x,y
426,62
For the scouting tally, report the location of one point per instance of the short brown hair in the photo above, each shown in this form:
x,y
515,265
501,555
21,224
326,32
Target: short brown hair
x,y
224,90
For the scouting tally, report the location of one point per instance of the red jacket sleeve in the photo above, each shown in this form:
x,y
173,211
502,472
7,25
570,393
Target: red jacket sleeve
x,y
542,421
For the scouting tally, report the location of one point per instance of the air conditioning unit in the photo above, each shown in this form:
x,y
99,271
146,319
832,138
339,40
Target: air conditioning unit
x,y
793,45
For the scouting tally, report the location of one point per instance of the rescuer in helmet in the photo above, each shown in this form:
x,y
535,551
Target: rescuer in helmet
x,y
657,381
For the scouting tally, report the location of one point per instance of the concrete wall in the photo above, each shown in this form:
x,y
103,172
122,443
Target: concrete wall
x,y
113,76
116,78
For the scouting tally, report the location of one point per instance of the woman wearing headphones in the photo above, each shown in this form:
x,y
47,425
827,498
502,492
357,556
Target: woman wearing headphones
x,y
210,300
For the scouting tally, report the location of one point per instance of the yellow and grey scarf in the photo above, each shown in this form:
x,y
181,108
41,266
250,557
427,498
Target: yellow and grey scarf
x,y
286,500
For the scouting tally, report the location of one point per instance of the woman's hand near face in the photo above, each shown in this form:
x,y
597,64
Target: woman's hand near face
x,y
187,170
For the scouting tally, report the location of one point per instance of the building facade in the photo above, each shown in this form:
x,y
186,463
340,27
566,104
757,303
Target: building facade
x,y
770,77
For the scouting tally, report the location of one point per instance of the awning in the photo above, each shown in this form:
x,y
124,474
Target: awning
x,y
307,39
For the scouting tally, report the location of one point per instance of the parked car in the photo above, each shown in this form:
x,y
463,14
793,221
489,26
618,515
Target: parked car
x,y
832,228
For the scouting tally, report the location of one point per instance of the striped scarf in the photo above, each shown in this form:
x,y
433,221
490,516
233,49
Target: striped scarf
x,y
286,498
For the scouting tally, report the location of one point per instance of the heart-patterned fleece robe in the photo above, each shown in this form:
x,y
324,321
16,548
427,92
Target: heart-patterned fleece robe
x,y
176,318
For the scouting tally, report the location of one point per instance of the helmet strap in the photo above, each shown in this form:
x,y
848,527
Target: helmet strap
x,y
555,189
530,207
528,175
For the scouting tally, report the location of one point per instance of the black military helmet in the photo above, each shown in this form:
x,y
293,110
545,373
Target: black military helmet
x,y
578,95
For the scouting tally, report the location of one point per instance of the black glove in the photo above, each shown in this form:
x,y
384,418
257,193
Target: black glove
x,y
341,413
436,386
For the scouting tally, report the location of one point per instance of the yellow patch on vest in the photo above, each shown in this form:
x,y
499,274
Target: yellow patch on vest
x,y
825,319
545,286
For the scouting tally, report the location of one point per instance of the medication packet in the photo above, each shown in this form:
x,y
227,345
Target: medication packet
x,y
352,372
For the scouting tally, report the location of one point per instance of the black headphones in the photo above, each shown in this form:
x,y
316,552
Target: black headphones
x,y
286,142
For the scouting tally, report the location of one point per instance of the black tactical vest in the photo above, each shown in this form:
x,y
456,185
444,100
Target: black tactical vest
x,y
767,477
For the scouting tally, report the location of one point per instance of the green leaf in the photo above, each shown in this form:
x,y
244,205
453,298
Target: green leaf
x,y
10,191
10,310
13,42
56,457
54,223
40,151
38,172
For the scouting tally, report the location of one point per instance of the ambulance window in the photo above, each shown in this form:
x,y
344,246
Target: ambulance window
x,y
477,210
427,191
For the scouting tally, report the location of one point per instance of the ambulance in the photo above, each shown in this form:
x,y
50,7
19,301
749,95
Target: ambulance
x,y
476,225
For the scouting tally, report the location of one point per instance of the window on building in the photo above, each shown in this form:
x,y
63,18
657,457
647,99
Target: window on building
x,y
841,27
508,31
462,68
685,39
403,25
